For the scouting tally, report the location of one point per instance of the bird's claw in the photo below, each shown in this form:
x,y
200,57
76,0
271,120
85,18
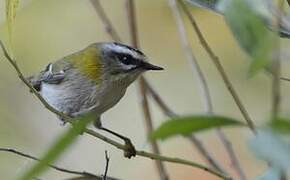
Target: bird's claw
x,y
129,150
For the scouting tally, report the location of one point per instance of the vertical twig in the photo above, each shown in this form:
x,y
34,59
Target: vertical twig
x,y
130,4
218,66
231,153
105,20
107,166
204,89
194,140
157,98
197,72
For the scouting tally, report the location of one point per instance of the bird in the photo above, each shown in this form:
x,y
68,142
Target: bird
x,y
93,79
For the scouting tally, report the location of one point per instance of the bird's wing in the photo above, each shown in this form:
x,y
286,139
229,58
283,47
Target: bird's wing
x,y
53,74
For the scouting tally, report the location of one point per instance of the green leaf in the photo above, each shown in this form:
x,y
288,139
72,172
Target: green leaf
x,y
11,6
281,125
265,11
59,146
190,124
270,147
250,32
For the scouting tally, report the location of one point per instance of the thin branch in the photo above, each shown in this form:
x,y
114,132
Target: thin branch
x,y
231,153
99,136
197,143
204,89
107,166
105,20
154,156
166,110
285,79
219,67
149,126
196,69
10,150
130,5
163,106
206,154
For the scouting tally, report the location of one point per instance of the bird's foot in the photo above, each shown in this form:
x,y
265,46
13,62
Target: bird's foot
x,y
129,150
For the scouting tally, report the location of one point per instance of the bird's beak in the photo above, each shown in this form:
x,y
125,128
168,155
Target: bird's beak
x,y
147,66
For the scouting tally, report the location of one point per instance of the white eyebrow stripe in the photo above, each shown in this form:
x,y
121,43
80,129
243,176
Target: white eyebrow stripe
x,y
123,49
127,67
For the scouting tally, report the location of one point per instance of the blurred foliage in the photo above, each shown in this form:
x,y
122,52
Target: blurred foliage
x,y
62,143
281,125
250,31
270,147
191,124
273,173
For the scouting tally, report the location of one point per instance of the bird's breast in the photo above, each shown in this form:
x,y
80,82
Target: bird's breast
x,y
76,95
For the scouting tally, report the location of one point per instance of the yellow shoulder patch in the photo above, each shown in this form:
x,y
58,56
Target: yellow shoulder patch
x,y
88,62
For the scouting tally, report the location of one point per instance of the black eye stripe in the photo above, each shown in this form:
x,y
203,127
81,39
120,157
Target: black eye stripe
x,y
127,59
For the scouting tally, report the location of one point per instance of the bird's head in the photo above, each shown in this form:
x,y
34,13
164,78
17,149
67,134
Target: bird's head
x,y
122,62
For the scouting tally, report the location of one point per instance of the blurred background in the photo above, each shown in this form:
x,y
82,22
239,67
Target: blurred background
x,y
48,30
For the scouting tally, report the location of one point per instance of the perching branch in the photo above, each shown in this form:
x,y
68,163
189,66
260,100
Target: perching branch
x,y
157,98
204,89
219,67
130,6
84,174
100,136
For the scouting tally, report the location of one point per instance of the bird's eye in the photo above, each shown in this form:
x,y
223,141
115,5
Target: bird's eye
x,y
126,60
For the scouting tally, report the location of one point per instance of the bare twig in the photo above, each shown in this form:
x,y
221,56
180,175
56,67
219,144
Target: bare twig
x,y
166,110
197,143
203,84
130,5
197,72
10,150
99,136
218,66
107,166
232,155
204,89
105,20
285,79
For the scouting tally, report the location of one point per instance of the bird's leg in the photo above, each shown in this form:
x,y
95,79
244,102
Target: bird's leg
x,y
78,114
129,147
